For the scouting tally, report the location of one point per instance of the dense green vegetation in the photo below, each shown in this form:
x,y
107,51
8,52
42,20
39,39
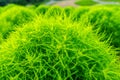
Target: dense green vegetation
x,y
85,2
108,20
11,16
92,2
112,0
54,43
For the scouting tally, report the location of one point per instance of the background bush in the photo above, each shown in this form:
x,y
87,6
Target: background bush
x,y
54,11
107,20
42,9
78,13
68,11
12,16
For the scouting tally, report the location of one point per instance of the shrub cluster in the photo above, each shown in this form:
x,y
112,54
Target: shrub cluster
x,y
106,18
56,46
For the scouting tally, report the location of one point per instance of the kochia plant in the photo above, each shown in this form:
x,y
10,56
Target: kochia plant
x,y
54,11
107,19
14,16
56,49
42,9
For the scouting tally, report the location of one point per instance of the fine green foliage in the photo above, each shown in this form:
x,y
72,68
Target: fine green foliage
x,y
56,49
54,11
78,13
12,17
42,9
59,43
107,20
68,11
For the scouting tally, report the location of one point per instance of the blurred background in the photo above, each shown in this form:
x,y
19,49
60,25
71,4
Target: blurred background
x,y
21,2
60,2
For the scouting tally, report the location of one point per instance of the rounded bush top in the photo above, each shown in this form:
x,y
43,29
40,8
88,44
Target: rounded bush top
x,y
13,17
56,49
42,9
107,20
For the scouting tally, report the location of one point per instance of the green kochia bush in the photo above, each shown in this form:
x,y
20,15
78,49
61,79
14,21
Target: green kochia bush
x,y
0,10
54,11
5,8
78,13
42,9
108,20
56,49
13,17
68,11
